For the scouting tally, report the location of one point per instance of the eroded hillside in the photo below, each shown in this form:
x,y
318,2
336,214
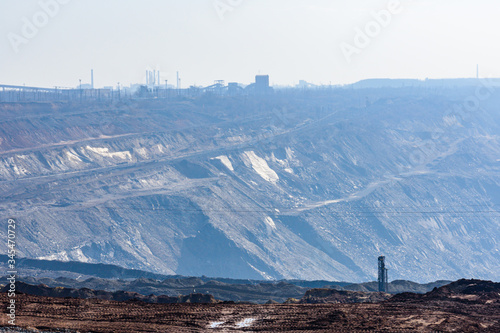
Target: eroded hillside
x,y
304,185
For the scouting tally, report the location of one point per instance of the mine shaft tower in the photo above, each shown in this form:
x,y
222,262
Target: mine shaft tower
x,y
383,285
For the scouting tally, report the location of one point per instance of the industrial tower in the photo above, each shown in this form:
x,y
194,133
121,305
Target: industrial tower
x,y
383,285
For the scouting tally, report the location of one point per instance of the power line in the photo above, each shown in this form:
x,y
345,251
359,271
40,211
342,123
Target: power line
x,y
284,211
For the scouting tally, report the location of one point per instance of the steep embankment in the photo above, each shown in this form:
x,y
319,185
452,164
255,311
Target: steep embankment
x,y
309,187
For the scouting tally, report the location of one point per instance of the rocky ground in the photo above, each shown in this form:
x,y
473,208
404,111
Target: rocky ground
x,y
463,306
106,316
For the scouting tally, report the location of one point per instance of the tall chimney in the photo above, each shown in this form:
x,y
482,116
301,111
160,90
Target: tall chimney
x,y
92,78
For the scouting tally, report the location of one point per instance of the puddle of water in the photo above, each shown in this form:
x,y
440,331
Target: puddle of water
x,y
245,323
216,324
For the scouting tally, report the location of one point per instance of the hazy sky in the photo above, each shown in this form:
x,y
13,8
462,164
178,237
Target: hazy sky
x,y
290,40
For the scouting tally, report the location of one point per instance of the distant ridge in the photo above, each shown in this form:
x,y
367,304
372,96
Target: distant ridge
x,y
35,271
104,271
107,271
427,83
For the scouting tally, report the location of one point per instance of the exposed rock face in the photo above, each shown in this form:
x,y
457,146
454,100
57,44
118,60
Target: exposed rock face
x,y
305,186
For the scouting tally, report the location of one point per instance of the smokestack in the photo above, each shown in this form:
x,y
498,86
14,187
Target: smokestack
x,y
178,81
477,72
92,78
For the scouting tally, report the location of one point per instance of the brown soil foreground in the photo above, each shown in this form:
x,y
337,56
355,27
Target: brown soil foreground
x,y
93,315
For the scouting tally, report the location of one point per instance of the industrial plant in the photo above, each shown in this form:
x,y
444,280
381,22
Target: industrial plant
x,y
153,88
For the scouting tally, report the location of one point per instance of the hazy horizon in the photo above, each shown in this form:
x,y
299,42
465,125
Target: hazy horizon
x,y
56,43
